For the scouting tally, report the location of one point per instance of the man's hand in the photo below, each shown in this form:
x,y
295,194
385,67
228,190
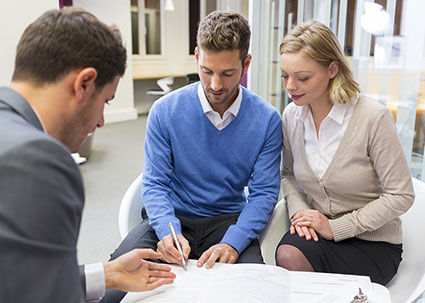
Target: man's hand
x,y
309,222
222,251
169,252
130,272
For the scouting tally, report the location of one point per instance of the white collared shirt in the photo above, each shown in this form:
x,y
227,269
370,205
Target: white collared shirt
x,y
320,150
214,116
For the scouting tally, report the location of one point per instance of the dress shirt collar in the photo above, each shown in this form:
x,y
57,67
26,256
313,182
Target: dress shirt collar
x,y
337,113
206,106
39,118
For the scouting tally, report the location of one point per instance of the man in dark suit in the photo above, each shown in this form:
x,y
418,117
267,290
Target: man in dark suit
x,y
68,65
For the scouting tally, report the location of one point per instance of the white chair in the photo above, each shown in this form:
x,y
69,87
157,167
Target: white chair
x,y
409,281
129,215
274,231
407,284
165,84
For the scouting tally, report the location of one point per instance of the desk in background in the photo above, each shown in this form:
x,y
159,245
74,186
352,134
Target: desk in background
x,y
142,84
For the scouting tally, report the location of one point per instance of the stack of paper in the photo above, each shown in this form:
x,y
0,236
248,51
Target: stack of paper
x,y
258,283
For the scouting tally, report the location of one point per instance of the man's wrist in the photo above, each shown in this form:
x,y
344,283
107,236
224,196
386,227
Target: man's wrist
x,y
110,274
231,246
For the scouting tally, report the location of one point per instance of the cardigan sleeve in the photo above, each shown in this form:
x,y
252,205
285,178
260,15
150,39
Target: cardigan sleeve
x,y
388,161
295,197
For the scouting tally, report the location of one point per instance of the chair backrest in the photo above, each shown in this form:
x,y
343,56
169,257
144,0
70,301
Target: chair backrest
x,y
274,231
408,283
129,215
166,83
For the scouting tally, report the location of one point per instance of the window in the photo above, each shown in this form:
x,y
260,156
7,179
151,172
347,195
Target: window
x,y
198,9
146,23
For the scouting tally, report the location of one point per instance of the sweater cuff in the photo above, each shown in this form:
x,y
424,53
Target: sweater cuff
x,y
236,238
162,229
341,228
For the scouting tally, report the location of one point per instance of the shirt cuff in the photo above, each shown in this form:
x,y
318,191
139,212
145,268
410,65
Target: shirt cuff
x,y
95,282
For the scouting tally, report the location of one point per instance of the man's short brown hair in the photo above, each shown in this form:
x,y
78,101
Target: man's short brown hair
x,y
224,31
61,41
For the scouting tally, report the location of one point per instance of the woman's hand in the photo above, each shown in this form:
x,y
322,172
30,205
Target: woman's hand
x,y
303,231
308,223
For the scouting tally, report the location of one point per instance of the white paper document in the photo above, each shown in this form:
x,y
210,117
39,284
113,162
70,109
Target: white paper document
x,y
255,283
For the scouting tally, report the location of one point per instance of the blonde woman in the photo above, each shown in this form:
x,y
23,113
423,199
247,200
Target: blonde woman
x,y
345,177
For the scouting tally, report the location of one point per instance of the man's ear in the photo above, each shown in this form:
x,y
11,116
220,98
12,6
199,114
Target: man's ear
x,y
84,82
247,63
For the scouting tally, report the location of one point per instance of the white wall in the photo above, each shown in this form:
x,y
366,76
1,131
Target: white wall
x,y
15,16
118,13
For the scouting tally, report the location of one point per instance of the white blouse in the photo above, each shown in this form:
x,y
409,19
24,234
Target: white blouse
x,y
321,149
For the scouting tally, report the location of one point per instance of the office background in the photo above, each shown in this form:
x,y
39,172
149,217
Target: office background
x,y
384,44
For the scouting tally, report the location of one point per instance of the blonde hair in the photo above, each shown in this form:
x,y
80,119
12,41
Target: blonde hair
x,y
318,42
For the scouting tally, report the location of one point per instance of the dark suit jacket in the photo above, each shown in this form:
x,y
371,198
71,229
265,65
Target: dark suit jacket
x,y
41,202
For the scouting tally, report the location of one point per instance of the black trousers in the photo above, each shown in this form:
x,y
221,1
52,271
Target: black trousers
x,y
202,233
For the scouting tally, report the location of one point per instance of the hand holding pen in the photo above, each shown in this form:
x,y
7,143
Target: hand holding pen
x,y
170,251
176,242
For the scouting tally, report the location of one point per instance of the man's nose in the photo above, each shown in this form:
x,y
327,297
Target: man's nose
x,y
216,83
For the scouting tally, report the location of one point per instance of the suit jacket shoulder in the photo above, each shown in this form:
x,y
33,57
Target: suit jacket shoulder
x,y
41,201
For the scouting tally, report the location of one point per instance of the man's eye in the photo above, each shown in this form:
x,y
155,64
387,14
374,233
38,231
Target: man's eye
x,y
304,79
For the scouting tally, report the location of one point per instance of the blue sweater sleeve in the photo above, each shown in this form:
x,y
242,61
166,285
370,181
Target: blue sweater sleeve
x,y
157,170
263,189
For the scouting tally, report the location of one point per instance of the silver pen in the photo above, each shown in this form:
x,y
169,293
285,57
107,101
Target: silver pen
x,y
173,233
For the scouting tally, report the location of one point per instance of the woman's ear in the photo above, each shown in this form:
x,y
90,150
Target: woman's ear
x,y
333,69
84,83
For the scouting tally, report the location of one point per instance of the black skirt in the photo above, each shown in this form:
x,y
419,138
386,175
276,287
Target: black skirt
x,y
378,260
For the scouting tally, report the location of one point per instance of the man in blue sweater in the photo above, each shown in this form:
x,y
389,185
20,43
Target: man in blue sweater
x,y
204,143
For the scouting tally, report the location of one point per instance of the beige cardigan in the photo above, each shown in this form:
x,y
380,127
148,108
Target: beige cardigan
x,y
367,185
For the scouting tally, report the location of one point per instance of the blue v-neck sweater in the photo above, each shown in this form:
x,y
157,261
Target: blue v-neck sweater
x,y
192,169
